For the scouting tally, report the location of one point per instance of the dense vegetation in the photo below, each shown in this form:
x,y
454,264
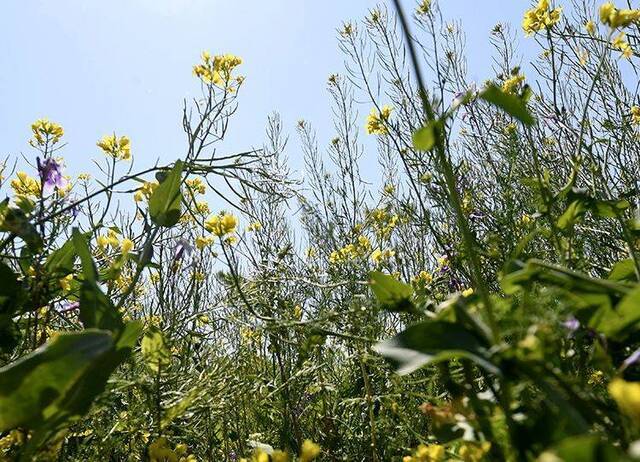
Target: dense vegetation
x,y
481,301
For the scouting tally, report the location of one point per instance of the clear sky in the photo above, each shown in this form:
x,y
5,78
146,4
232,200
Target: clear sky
x,y
99,66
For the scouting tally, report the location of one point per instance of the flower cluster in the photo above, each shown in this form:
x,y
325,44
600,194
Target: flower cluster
x,y
424,7
145,191
635,115
620,43
118,148
160,451
45,132
512,84
112,240
379,256
627,397
217,70
426,453
615,18
196,185
25,186
360,248
377,121
422,278
221,224
540,18
383,222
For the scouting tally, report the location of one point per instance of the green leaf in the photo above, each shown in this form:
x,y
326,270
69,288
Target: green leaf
x,y
572,214
511,104
424,139
82,249
588,448
392,295
621,321
12,297
15,221
60,262
73,381
33,388
12,294
624,270
432,341
165,203
97,310
154,351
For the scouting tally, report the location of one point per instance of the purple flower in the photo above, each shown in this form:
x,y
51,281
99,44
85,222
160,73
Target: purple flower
x,y
51,175
69,306
571,324
183,248
634,358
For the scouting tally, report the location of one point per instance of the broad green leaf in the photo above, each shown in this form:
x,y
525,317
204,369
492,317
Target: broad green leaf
x,y
511,104
424,139
609,208
623,319
12,294
572,214
33,388
80,395
83,251
432,341
12,297
97,310
587,448
60,262
165,202
154,351
623,270
15,221
392,295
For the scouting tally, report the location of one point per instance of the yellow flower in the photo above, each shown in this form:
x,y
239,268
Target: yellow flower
x,y
615,18
424,7
126,246
45,132
145,191
196,185
621,44
65,283
470,452
627,397
430,453
364,243
221,224
279,456
255,226
467,292
309,451
118,148
203,241
378,256
159,451
635,115
377,121
539,18
423,277
217,70
512,83
590,27
24,185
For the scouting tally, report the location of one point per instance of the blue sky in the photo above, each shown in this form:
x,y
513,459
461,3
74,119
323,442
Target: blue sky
x,y
125,65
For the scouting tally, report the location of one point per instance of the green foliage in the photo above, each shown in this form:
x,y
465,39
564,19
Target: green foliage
x,y
511,104
165,203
